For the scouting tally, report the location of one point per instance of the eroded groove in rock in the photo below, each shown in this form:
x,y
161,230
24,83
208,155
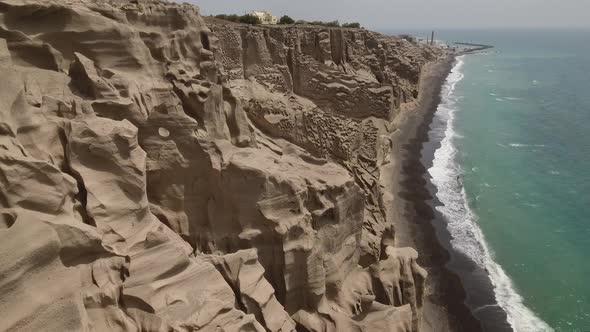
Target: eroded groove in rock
x,y
156,175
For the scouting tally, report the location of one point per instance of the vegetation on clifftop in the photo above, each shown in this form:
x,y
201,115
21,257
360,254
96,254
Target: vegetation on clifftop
x,y
332,24
285,20
355,25
246,19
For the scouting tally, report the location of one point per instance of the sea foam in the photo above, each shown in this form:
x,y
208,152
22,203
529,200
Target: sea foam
x,y
520,145
467,237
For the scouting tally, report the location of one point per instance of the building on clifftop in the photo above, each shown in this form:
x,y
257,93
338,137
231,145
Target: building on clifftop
x,y
265,17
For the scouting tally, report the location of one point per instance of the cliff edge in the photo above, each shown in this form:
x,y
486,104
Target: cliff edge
x,y
161,174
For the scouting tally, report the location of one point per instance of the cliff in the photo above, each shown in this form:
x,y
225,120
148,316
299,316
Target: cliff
x,y
160,174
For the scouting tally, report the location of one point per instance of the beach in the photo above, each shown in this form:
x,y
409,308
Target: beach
x,y
411,200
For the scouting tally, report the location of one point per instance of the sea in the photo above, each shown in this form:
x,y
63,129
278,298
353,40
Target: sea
x,y
511,171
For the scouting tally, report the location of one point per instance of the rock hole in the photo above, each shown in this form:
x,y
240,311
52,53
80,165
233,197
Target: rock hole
x,y
163,132
7,220
202,96
205,41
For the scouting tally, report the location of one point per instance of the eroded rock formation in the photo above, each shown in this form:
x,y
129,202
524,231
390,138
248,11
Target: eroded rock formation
x,y
332,92
156,175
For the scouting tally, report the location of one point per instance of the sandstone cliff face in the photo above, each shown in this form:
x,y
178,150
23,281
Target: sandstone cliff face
x,y
333,92
156,175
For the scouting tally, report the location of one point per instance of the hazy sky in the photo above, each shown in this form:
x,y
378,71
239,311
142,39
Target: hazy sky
x,y
382,14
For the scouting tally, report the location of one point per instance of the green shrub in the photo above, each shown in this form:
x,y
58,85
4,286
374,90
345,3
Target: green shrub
x,y
249,19
326,24
231,18
286,20
354,25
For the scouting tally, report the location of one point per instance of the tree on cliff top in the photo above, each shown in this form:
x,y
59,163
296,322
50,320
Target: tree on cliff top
x,y
355,25
246,19
249,19
333,24
286,20
231,18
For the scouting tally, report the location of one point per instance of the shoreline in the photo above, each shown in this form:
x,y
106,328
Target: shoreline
x,y
480,293
411,205
490,295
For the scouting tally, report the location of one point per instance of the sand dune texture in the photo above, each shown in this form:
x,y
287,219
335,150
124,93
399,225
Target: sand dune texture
x,y
160,174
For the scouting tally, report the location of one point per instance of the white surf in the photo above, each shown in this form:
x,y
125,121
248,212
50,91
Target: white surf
x,y
467,237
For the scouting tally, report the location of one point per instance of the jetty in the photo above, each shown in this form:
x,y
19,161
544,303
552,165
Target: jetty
x,y
472,47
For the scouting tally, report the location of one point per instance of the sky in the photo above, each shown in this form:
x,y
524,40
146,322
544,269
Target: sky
x,y
419,14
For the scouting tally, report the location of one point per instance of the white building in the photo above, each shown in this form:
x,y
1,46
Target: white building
x,y
265,17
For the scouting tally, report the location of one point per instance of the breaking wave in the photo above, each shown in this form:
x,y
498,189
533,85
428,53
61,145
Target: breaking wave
x,y
520,145
467,237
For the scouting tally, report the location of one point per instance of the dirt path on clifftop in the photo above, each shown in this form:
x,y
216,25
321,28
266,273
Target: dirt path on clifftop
x,y
407,201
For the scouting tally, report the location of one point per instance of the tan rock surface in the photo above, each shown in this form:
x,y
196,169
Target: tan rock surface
x,y
156,175
330,91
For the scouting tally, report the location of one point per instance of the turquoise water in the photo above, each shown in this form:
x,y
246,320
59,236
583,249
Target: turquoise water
x,y
518,143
